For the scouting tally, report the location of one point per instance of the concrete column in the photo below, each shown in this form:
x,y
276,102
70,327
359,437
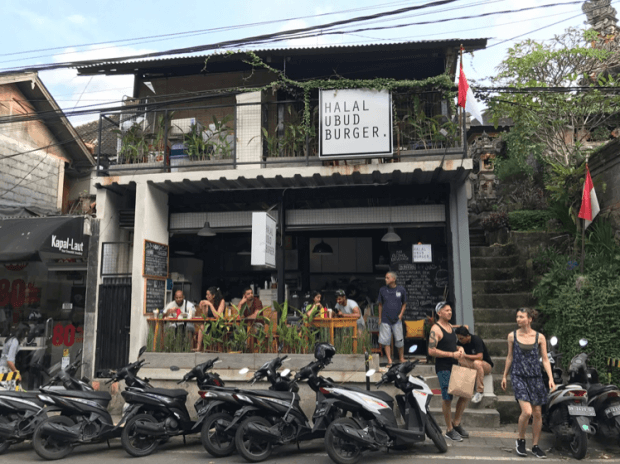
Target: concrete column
x,y
459,223
151,223
248,129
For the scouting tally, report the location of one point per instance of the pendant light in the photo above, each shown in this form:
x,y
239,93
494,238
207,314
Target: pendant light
x,y
322,248
390,235
246,249
206,231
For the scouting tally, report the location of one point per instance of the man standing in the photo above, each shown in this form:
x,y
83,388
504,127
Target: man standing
x,y
346,307
476,357
392,303
442,346
249,306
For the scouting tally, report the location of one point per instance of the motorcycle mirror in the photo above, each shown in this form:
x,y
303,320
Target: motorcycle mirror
x,y
285,372
554,341
413,348
141,352
174,368
370,372
245,370
583,343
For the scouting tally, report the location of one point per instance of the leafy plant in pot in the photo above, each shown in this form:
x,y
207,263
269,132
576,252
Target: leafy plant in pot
x,y
134,145
195,145
219,139
158,147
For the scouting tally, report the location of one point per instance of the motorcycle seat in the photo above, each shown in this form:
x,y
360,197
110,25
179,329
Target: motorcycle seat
x,y
597,389
20,395
383,396
170,392
285,396
87,395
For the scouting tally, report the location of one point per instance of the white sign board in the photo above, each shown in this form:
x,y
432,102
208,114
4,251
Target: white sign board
x,y
422,254
263,240
355,123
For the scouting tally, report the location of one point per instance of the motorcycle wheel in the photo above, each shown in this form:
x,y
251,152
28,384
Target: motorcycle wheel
x,y
137,444
340,450
4,442
216,443
579,442
433,431
48,447
251,448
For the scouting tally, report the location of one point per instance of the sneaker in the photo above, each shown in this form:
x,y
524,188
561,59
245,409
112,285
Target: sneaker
x,y
454,435
521,447
536,451
461,431
477,398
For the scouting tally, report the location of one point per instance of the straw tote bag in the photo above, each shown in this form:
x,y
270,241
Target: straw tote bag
x,y
462,382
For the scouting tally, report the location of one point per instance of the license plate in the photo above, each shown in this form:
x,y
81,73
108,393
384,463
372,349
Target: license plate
x,y
581,411
613,411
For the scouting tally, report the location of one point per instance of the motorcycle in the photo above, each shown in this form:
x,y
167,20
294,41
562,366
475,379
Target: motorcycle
x,y
83,418
218,432
373,424
277,418
155,415
605,399
567,413
21,412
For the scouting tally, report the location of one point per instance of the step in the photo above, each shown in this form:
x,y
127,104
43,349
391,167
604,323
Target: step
x,y
499,286
484,418
489,401
477,241
483,315
497,385
494,261
497,347
504,300
508,409
494,330
497,273
490,251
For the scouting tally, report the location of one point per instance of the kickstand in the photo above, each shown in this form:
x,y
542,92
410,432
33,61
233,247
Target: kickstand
x,y
298,448
108,443
184,441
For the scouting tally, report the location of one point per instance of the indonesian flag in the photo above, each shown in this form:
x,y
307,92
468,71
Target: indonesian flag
x,y
467,99
589,202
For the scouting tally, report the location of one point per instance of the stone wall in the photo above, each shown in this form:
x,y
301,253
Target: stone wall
x,y
605,169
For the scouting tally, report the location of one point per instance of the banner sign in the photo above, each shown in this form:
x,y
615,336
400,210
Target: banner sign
x,y
355,123
263,240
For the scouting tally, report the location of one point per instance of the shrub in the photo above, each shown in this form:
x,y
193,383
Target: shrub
x,y
495,221
529,220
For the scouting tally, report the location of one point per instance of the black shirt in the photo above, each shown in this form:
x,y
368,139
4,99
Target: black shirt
x,y
477,346
447,343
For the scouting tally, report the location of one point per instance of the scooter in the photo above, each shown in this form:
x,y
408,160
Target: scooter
x,y
373,425
567,413
277,418
157,414
21,412
605,399
217,434
83,416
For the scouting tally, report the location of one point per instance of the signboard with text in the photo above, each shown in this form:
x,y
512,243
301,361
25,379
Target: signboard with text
x,y
422,253
263,240
355,123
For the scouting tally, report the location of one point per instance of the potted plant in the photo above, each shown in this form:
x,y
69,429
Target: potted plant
x,y
134,145
220,138
195,145
158,147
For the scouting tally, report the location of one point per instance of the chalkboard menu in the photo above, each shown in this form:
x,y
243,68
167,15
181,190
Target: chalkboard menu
x,y
425,283
155,259
155,295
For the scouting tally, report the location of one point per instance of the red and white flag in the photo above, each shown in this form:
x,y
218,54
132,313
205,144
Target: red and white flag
x,y
466,97
589,202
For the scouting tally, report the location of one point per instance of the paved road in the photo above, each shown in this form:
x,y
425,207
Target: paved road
x,y
483,446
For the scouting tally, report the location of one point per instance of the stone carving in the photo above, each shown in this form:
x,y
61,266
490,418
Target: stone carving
x,y
601,16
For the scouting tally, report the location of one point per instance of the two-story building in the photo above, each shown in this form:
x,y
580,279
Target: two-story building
x,y
356,153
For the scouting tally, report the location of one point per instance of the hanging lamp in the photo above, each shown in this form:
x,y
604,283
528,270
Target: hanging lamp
x,y
390,235
322,248
206,231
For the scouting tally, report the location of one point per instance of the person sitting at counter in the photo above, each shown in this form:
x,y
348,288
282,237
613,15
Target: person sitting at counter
x,y
316,307
346,307
250,305
180,308
212,307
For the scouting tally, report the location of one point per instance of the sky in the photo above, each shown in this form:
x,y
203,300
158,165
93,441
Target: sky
x,y
42,32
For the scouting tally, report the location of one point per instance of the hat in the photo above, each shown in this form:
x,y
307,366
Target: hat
x,y
440,306
340,292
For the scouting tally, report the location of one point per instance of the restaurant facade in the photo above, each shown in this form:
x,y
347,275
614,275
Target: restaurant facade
x,y
221,178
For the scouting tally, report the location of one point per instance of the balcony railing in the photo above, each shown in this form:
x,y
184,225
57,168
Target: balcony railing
x,y
167,138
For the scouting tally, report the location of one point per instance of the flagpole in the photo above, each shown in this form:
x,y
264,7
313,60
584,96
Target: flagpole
x,y
583,244
462,110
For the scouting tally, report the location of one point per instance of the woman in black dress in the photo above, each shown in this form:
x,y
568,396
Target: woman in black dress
x,y
525,349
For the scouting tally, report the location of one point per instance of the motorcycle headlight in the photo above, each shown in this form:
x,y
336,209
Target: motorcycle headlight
x,y
45,398
125,407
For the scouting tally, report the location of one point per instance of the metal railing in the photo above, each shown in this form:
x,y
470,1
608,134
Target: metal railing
x,y
166,138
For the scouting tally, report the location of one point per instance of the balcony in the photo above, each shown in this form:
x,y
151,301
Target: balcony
x,y
243,130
